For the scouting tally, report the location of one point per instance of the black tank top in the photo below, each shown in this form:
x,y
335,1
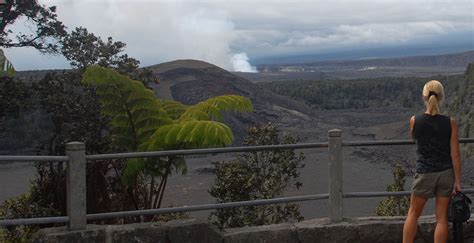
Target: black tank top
x,y
433,140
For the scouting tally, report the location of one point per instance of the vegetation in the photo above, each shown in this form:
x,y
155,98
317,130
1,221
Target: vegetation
x,y
14,97
83,49
93,114
395,206
461,106
461,109
258,175
360,93
105,107
46,29
141,122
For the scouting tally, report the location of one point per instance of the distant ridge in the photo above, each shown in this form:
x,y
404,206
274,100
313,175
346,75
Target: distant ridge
x,y
453,60
181,63
461,59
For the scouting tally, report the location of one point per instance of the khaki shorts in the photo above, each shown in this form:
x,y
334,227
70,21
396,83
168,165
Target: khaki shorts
x,y
432,184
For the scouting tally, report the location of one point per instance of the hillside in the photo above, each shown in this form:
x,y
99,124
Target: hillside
x,y
191,81
463,105
393,92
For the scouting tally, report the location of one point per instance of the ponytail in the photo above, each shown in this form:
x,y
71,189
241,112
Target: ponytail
x,y
433,105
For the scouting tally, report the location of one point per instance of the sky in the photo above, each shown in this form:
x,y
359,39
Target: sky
x,y
235,34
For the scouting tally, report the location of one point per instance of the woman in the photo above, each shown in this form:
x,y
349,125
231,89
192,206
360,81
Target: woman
x,y
438,165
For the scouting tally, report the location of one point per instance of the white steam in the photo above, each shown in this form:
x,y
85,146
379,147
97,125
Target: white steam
x,y
240,63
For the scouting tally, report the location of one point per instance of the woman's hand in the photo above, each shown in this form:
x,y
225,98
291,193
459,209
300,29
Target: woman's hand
x,y
456,187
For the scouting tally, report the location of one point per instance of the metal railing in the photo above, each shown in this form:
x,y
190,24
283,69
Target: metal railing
x,y
76,159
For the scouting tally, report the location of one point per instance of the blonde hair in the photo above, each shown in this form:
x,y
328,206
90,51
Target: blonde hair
x,y
433,95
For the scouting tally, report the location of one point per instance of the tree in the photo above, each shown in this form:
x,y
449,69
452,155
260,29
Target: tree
x,y
395,206
13,97
258,175
83,49
141,122
47,31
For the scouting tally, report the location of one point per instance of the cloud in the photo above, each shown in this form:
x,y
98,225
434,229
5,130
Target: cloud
x,y
162,31
390,33
217,30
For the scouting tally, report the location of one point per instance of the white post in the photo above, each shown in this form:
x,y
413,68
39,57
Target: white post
x,y
335,176
76,185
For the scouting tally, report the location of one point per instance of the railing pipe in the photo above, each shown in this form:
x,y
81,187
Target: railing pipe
x,y
377,143
206,207
375,194
206,151
65,219
33,221
41,158
32,158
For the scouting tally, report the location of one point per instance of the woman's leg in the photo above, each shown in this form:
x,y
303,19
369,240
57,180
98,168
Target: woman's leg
x,y
441,230
411,223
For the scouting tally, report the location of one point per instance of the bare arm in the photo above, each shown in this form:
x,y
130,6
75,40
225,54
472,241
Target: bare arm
x,y
412,124
455,155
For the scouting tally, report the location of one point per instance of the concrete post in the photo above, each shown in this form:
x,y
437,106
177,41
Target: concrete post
x,y
335,176
76,185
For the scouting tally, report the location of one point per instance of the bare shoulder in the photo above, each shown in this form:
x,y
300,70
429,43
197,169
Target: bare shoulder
x,y
412,123
454,124
453,121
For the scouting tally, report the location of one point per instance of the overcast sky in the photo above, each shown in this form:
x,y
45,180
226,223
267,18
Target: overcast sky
x,y
231,33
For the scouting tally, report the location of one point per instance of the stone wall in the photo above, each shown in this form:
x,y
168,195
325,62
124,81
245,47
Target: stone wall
x,y
369,229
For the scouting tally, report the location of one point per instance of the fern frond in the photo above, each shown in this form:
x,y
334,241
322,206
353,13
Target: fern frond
x,y
213,108
134,109
233,103
191,134
173,108
120,121
202,111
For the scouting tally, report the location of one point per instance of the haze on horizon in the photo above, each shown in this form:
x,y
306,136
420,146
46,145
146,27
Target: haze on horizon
x,y
232,34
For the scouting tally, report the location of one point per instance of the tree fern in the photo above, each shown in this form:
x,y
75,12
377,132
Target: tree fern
x,y
134,109
141,122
